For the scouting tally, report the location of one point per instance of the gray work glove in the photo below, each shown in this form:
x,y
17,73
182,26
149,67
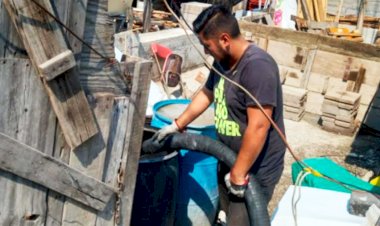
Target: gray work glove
x,y
235,189
165,131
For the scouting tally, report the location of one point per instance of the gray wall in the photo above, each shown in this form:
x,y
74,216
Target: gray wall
x,y
350,7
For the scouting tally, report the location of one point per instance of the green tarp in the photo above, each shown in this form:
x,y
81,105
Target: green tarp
x,y
329,168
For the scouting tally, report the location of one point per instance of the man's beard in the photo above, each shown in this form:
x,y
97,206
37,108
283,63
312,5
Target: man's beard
x,y
225,59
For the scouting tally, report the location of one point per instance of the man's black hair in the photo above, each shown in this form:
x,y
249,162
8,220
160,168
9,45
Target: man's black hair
x,y
214,20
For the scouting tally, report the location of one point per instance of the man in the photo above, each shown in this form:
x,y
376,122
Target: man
x,y
239,122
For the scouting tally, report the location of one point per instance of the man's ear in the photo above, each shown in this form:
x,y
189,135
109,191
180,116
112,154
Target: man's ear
x,y
224,39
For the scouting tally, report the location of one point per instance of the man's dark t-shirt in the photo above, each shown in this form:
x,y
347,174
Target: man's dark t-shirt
x,y
258,73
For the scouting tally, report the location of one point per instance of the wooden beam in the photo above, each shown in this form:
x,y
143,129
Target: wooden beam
x,y
66,95
337,16
25,115
308,40
73,15
305,10
147,15
10,43
317,10
31,164
131,153
42,37
362,6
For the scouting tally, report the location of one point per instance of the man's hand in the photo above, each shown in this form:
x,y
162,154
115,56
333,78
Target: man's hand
x,y
235,189
165,131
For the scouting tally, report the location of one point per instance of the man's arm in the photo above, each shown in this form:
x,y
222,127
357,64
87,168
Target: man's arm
x,y
252,144
197,106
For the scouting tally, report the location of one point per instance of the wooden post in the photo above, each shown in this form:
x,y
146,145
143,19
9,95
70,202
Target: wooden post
x,y
147,15
362,6
129,14
136,120
305,10
25,115
337,16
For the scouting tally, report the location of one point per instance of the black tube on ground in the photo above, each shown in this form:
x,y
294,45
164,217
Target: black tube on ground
x,y
255,201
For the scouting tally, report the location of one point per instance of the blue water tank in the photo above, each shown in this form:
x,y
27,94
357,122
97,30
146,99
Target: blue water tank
x,y
198,195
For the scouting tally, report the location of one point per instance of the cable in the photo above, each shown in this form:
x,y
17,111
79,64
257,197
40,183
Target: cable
x,y
111,60
300,177
282,136
303,165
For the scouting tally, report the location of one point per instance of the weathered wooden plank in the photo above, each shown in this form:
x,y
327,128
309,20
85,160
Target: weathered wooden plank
x,y
33,165
136,120
115,145
71,107
90,158
10,43
308,40
72,14
42,37
68,99
55,201
26,115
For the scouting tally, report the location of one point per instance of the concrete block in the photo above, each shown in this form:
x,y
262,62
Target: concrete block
x,y
332,127
194,7
297,110
347,118
341,105
367,93
293,96
327,119
343,96
293,116
344,124
330,107
314,103
294,77
336,84
318,83
362,110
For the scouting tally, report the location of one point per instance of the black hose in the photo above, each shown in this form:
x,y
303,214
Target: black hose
x,y
254,199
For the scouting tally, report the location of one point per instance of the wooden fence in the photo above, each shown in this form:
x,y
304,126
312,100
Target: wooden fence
x,y
70,143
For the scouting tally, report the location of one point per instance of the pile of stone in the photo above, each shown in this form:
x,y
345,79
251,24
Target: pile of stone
x,y
339,110
191,10
294,100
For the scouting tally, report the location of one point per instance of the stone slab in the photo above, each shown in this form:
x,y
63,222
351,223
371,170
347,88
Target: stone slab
x,y
343,96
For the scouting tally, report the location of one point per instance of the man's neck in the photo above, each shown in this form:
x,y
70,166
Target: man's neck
x,y
238,48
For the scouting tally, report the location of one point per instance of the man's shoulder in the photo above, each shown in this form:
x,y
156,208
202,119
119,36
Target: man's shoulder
x,y
256,53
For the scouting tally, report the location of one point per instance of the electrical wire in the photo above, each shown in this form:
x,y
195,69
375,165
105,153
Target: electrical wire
x,y
300,178
303,165
281,134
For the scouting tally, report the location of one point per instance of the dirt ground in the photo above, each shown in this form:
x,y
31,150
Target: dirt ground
x,y
359,154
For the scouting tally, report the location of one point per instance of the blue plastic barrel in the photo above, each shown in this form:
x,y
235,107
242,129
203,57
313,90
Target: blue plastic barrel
x,y
198,194
156,189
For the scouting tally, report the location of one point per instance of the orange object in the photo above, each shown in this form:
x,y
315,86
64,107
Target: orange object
x,y
171,70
